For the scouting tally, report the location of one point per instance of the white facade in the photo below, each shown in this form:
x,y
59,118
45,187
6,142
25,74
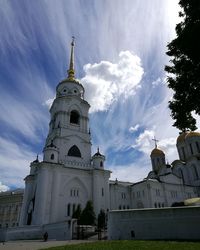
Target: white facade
x,y
69,175
10,207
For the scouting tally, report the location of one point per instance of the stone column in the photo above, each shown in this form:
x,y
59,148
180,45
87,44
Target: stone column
x,y
27,197
41,196
54,197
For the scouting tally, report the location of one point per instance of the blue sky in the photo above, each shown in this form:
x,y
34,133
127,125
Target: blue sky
x,y
119,58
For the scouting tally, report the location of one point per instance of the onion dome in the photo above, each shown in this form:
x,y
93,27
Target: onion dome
x,y
181,137
98,153
36,160
157,152
192,134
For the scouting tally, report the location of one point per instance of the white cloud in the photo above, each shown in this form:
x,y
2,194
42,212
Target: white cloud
x,y
144,141
106,82
134,129
132,172
3,188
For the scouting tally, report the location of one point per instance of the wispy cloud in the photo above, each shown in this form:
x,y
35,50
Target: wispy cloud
x,y
14,162
35,51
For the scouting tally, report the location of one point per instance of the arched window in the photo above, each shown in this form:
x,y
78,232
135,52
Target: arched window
x,y
101,164
68,209
74,117
183,152
181,174
196,176
52,156
197,145
74,151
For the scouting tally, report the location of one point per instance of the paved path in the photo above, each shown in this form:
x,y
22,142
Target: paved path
x,y
37,244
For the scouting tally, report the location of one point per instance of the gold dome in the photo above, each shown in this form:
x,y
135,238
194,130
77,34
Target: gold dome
x,y
157,151
192,134
181,137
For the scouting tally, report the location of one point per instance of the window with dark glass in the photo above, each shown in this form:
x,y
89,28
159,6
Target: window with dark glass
x,y
191,149
74,117
74,207
198,148
183,152
68,209
74,151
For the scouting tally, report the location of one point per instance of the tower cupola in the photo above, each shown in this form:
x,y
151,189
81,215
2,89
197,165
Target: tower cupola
x,y
98,160
51,153
157,158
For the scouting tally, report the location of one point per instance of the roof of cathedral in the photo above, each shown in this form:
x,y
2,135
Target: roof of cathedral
x,y
123,183
181,137
157,151
187,134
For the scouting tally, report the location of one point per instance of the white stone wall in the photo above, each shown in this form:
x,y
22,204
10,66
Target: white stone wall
x,y
155,224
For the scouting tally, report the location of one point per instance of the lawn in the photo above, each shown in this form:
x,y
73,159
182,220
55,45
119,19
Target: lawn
x,y
132,245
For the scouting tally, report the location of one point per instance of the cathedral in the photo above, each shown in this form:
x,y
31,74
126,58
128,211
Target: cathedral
x,y
70,176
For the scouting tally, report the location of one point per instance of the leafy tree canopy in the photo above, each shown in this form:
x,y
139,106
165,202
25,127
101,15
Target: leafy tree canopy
x,y
184,71
88,215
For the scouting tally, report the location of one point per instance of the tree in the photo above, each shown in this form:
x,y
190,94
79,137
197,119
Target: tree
x,y
184,77
88,215
101,219
77,214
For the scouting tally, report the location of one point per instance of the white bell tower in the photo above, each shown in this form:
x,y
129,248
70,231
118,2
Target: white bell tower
x,y
68,128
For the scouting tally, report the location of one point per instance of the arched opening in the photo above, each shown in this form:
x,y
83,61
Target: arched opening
x,y
74,117
195,173
68,209
52,156
181,174
101,164
74,151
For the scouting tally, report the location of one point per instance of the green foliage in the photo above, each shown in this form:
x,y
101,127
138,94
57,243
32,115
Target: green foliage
x,y
77,213
101,219
132,244
184,77
88,215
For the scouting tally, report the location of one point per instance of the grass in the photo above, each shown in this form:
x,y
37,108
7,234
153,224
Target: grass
x,y
132,245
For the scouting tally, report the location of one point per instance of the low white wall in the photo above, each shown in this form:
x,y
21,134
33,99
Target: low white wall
x,y
180,223
23,233
57,231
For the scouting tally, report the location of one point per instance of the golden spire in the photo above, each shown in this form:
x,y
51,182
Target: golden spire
x,y
71,71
